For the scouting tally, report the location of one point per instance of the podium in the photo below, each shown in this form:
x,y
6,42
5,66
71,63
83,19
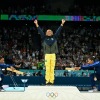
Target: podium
x,y
53,93
49,93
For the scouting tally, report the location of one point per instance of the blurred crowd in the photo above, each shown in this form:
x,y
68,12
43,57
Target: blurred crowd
x,y
77,7
75,44
21,44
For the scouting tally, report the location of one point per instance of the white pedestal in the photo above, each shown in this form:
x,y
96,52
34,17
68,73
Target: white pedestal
x,y
50,93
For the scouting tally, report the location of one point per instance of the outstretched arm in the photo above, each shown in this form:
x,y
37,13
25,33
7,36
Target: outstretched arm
x,y
90,65
39,29
6,66
87,66
59,29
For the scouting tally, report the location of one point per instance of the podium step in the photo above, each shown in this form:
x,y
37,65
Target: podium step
x,y
49,93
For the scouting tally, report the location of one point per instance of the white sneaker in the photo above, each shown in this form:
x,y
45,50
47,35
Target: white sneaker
x,y
2,90
93,90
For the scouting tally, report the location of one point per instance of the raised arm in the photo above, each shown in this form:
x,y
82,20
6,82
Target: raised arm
x,y
36,23
62,22
39,29
59,29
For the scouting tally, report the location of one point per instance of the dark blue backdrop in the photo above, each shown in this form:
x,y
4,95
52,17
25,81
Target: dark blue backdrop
x,y
37,80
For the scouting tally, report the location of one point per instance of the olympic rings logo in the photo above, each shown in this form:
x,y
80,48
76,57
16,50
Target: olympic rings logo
x,y
52,94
